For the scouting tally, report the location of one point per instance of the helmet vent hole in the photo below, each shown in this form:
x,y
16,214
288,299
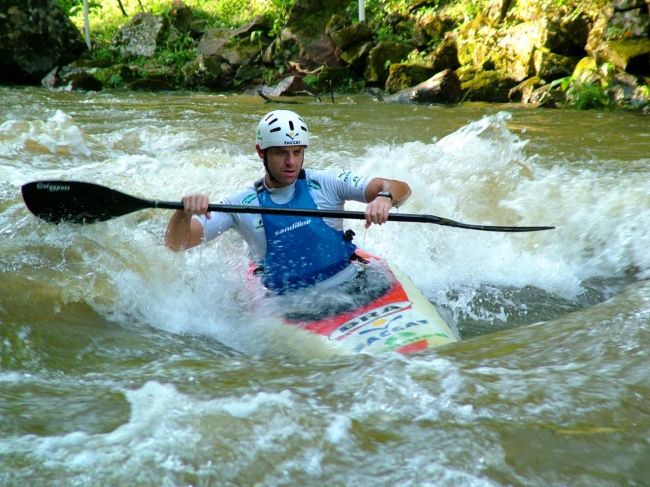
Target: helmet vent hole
x,y
273,121
276,129
304,128
290,124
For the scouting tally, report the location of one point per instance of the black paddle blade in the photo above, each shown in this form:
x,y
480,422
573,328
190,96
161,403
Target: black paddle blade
x,y
78,202
486,228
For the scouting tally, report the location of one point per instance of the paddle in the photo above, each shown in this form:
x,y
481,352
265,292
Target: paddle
x,y
81,202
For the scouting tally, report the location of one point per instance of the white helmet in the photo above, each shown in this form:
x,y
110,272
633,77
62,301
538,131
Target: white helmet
x,y
282,128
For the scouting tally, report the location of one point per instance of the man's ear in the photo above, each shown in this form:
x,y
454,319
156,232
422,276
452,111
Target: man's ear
x,y
260,151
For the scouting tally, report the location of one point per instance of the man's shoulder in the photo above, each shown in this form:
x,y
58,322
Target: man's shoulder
x,y
335,176
330,174
246,196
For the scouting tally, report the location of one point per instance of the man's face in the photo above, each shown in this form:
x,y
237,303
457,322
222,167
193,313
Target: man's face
x,y
284,164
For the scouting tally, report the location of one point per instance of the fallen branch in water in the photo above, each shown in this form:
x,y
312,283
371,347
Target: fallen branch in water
x,y
284,100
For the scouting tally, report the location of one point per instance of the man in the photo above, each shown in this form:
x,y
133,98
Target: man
x,y
294,252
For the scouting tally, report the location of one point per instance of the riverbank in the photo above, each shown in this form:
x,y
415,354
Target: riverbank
x,y
551,54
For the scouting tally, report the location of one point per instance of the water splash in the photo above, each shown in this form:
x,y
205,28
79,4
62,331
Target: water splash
x,y
59,135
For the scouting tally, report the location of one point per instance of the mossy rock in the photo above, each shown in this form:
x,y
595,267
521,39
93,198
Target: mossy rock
x,y
524,90
586,71
404,75
446,54
241,51
351,35
551,66
381,57
444,87
356,56
329,78
337,22
307,25
631,55
207,72
247,73
431,26
140,37
488,86
116,76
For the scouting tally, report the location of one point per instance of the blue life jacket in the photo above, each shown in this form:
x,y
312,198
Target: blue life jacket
x,y
300,251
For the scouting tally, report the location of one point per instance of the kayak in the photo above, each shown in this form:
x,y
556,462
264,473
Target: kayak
x,y
393,316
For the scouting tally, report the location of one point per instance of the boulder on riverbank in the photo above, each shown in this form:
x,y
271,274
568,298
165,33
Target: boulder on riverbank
x,y
35,37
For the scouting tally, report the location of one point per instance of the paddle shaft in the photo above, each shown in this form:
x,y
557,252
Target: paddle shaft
x,y
81,202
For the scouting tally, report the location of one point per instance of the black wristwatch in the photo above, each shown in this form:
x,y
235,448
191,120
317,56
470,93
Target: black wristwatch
x,y
387,194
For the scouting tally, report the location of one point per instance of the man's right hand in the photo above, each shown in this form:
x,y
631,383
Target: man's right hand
x,y
184,232
196,204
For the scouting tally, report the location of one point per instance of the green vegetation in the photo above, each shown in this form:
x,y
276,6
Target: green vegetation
x,y
177,49
585,96
417,28
107,17
388,19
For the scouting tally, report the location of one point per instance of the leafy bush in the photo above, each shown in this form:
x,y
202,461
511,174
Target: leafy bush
x,y
585,96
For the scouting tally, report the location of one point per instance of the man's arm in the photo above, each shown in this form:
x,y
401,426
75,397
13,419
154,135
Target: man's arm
x,y
184,232
379,206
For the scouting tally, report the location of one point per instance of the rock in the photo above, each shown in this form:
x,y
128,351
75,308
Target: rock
x,y
213,41
35,37
327,78
624,89
72,78
242,51
258,24
306,26
446,54
551,66
404,75
289,86
586,71
567,36
466,73
631,55
83,81
356,56
351,35
207,72
523,91
247,73
476,43
488,86
139,38
515,55
236,47
547,96
335,23
629,23
431,25
444,87
383,54
182,18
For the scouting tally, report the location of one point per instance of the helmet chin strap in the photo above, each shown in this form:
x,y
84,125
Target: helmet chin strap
x,y
266,167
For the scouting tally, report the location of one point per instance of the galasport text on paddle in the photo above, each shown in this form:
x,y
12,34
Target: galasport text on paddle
x,y
82,202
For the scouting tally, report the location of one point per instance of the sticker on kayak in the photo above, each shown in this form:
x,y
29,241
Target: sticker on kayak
x,y
369,319
395,337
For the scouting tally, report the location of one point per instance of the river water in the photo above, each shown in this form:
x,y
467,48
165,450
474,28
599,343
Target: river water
x,y
122,363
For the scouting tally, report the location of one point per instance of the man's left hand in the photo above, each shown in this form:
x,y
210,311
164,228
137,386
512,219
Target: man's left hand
x,y
377,210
